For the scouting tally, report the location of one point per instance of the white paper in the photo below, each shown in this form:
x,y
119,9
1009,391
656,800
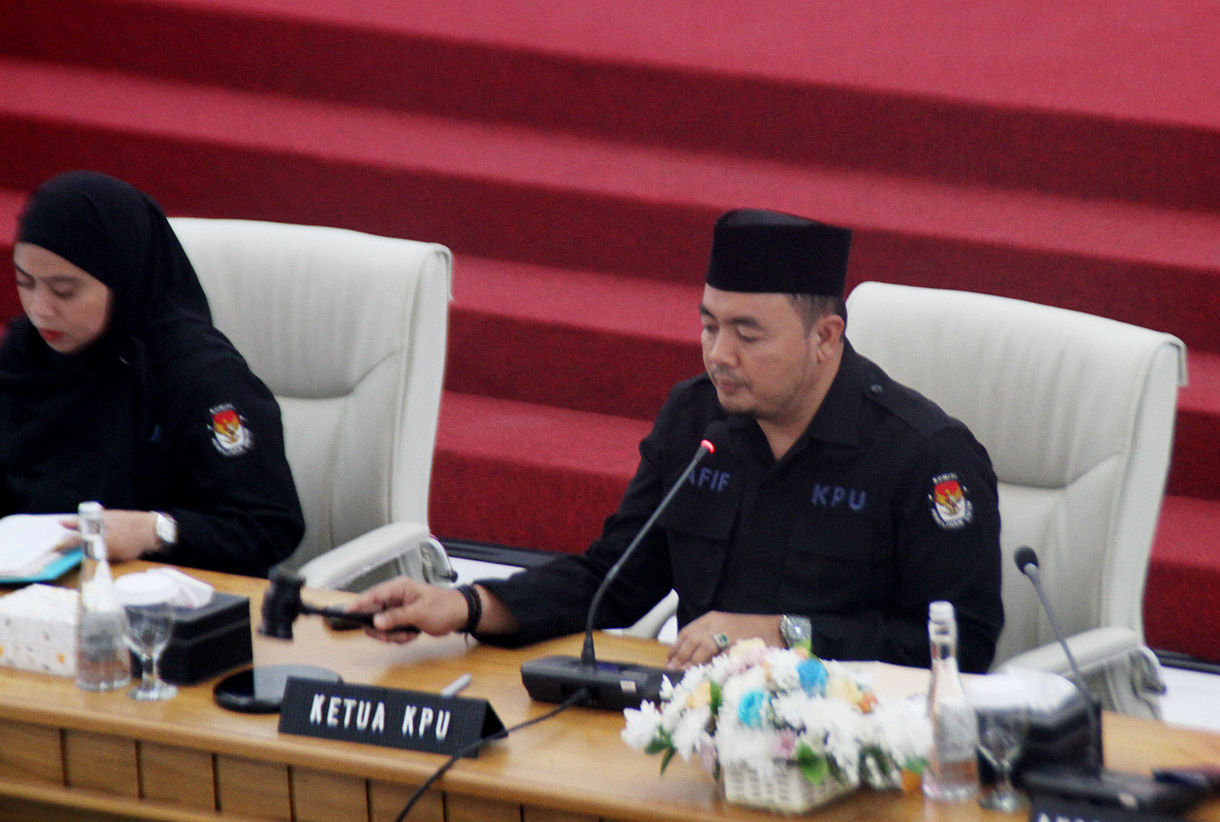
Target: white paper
x,y
29,541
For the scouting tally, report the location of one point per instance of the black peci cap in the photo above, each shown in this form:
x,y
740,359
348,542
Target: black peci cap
x,y
757,250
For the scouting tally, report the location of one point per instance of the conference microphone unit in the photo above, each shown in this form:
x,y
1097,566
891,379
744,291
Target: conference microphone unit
x,y
1027,563
1088,781
612,685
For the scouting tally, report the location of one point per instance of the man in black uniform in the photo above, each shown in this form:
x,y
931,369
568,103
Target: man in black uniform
x,y
839,505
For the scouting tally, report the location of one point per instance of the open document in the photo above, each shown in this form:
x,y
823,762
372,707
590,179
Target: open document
x,y
33,545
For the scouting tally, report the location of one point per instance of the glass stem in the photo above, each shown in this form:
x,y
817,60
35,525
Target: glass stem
x,y
148,672
1004,786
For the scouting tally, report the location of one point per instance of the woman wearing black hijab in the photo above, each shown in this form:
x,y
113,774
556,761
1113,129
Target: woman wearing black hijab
x,y
115,386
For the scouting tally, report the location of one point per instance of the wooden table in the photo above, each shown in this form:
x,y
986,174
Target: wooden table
x,y
64,751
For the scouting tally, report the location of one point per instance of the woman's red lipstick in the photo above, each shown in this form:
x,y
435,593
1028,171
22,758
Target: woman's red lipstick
x,y
50,336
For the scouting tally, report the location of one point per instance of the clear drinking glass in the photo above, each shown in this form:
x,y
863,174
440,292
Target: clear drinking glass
x,y
1001,703
150,621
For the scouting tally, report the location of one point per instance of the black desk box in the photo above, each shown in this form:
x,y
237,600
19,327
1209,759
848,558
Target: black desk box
x,y
206,641
1058,735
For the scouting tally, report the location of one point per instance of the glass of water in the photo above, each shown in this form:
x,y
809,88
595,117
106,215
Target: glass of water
x,y
146,600
1001,703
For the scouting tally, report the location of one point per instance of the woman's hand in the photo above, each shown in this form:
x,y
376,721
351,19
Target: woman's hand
x,y
129,534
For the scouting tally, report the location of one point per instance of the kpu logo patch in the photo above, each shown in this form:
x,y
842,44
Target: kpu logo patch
x,y
229,432
950,506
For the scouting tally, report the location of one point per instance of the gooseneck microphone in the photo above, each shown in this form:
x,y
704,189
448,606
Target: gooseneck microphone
x,y
1027,563
613,686
1091,782
715,431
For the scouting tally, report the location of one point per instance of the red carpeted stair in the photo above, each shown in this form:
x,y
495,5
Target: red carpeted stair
x,y
574,155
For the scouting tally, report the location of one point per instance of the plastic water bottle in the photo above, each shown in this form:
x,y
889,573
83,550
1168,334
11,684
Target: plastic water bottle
x,y
102,660
952,774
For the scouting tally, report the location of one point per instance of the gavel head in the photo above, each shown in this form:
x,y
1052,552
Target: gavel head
x,y
281,604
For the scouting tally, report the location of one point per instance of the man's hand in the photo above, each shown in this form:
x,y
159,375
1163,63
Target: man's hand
x,y
715,631
403,601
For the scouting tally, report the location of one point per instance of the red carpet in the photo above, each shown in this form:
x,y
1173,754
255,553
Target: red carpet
x,y
574,155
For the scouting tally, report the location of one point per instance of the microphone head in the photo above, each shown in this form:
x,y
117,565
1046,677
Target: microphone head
x,y
1025,556
715,435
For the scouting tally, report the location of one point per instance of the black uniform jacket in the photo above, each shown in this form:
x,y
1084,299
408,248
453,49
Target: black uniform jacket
x,y
884,504
211,454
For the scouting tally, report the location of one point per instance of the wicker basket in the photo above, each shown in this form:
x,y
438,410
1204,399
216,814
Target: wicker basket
x,y
786,790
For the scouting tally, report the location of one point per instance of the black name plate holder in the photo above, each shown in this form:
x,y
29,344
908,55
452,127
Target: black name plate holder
x,y
390,717
1058,809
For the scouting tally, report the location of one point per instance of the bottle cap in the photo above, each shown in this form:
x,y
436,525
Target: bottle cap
x,y
940,610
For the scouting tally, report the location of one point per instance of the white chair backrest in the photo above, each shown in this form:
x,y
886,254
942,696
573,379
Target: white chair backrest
x,y
1077,414
349,331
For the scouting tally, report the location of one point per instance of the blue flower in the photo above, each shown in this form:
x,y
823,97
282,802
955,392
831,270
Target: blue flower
x,y
750,709
813,676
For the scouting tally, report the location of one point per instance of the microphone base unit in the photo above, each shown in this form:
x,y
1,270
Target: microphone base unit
x,y
614,685
1138,792
1067,734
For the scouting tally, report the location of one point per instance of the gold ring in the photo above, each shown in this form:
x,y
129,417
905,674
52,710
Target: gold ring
x,y
721,639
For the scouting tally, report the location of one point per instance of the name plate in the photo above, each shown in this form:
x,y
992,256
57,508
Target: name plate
x,y
391,717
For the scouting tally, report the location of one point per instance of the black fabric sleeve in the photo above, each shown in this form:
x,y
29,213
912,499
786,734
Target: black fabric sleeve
x,y
236,505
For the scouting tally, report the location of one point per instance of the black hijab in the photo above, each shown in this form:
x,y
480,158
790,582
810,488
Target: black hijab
x,y
84,426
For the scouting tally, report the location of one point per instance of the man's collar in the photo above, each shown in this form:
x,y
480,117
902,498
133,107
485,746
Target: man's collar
x,y
837,417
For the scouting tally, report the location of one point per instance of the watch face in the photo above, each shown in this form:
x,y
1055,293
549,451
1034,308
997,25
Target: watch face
x,y
167,530
795,630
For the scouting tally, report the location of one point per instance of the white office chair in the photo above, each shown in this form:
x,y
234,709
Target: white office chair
x,y
349,332
1077,413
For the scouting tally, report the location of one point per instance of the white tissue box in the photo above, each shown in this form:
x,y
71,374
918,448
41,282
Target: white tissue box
x,y
38,629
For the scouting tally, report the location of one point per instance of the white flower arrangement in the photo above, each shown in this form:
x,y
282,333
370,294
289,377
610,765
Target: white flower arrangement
x,y
763,708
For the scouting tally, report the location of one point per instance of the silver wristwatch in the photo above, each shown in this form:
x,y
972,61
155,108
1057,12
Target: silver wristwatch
x,y
166,529
796,631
